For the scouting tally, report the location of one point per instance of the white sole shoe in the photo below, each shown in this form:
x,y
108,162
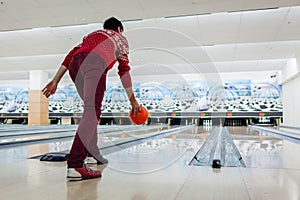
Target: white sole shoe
x,y
91,160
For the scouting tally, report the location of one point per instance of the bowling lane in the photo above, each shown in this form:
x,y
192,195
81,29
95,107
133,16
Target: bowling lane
x,y
46,134
261,150
107,136
258,149
20,153
19,139
292,131
156,154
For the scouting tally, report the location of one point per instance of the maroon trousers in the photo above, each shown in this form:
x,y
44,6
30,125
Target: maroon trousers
x,y
88,71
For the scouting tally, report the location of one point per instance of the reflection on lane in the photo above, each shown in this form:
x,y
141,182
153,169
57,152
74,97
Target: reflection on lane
x,y
49,135
260,151
263,150
38,144
218,148
256,148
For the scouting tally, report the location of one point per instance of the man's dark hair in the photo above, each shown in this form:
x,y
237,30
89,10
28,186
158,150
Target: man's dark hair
x,y
113,24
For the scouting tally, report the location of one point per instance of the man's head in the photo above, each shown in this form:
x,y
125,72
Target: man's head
x,y
113,24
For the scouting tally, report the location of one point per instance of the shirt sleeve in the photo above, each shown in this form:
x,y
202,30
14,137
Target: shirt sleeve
x,y
70,55
123,70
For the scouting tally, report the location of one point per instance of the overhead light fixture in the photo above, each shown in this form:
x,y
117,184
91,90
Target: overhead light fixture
x,y
131,20
177,16
250,10
208,45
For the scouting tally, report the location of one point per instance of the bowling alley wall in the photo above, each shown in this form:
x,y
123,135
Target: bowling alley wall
x,y
163,96
291,102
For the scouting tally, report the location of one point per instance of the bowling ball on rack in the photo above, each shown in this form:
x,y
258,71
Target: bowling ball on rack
x,y
141,116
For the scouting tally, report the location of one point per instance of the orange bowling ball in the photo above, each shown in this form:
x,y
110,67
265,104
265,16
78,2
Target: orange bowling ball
x,y
141,117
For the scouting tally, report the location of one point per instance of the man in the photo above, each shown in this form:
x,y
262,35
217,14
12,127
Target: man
x,y
88,64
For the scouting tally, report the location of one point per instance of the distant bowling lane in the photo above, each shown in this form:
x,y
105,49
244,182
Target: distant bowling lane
x,y
260,150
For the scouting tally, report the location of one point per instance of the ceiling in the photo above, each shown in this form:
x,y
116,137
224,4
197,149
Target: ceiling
x,y
188,36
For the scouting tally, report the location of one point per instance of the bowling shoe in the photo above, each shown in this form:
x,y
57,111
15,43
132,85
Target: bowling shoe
x,y
77,174
91,160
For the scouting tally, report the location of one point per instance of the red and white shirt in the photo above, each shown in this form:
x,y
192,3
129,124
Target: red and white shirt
x,y
111,47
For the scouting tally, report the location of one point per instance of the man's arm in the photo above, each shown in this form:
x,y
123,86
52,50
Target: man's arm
x,y
51,87
127,82
134,104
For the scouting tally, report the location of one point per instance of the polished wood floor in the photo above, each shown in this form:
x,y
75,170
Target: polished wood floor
x,y
157,169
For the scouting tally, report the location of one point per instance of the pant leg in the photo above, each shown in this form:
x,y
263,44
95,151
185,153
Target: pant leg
x,y
78,149
90,82
101,87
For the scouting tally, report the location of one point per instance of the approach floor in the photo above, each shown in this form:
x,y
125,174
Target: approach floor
x,y
155,167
